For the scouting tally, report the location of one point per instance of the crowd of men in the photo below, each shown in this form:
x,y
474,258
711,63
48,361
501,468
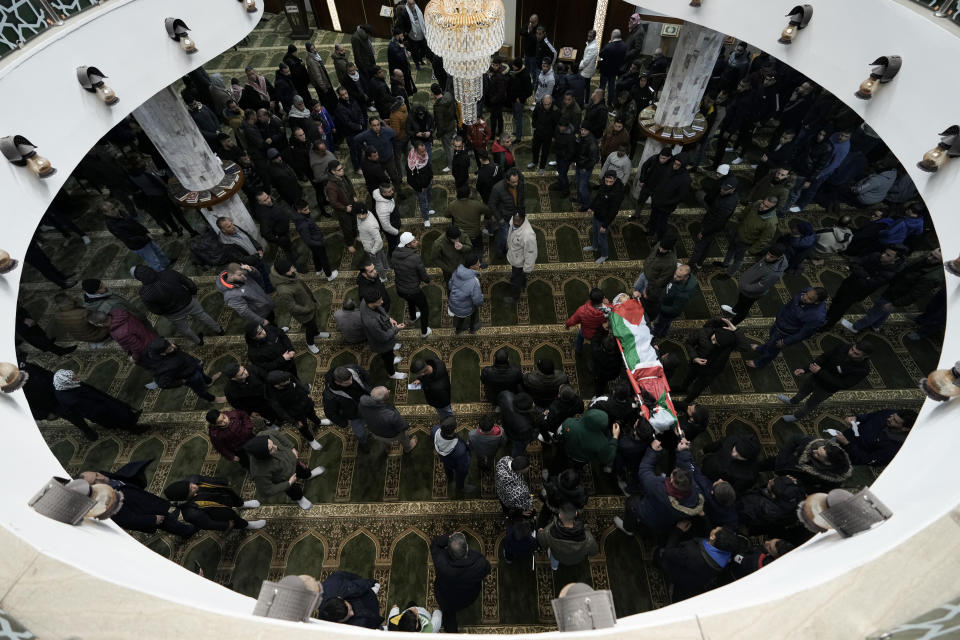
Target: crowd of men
x,y
285,136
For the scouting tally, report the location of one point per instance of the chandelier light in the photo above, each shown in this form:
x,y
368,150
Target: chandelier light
x,y
465,33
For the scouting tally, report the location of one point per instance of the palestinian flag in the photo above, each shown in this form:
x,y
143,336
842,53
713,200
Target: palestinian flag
x,y
627,324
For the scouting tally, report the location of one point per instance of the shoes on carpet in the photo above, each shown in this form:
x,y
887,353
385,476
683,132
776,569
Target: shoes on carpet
x,y
317,471
304,503
531,165
333,276
790,418
736,160
397,360
426,223
623,487
256,524
847,325
552,163
315,445
250,504
794,209
399,376
446,169
728,309
312,348
601,260
396,346
785,399
589,247
427,333
618,523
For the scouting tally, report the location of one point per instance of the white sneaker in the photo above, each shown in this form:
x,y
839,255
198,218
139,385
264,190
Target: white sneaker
x,y
736,160
727,149
316,446
284,329
431,212
531,165
151,385
833,433
317,471
324,422
250,504
753,166
847,325
601,260
416,316
728,309
312,348
397,346
552,163
399,376
446,169
794,209
256,524
590,248
333,276
323,335
376,587
426,223
427,334
397,360
304,503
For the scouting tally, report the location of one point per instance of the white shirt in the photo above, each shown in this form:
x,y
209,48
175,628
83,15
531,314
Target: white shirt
x,y
588,66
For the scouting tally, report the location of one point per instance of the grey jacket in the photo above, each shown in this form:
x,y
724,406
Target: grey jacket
x,y
376,326
318,73
249,299
382,419
762,276
350,325
875,187
272,476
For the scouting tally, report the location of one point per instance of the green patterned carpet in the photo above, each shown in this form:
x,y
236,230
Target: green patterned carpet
x,y
375,513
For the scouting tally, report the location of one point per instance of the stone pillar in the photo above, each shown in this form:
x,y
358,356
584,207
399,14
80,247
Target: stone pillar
x,y
693,60
165,120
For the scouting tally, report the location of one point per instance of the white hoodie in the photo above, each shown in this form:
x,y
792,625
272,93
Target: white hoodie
x,y
368,231
384,207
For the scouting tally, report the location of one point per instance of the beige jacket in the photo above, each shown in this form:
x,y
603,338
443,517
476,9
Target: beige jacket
x,y
522,246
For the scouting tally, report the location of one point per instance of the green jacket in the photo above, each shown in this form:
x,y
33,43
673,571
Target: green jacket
x,y
585,438
468,214
271,476
756,230
445,114
296,296
659,269
446,256
676,297
568,546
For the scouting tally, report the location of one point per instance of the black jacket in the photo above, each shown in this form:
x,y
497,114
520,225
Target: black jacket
x,y
718,464
369,290
349,118
212,507
565,145
606,201
459,581
342,404
595,118
718,212
587,152
545,122
558,411
251,394
542,387
292,402
519,86
284,179
170,370
838,370
130,232
496,379
356,590
268,353
652,171
274,222
867,274
419,120
408,271
165,292
689,568
487,176
421,178
518,426
766,512
796,459
813,158
672,189
436,385
460,167
309,232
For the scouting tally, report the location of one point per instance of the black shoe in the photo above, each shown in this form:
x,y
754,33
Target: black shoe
x,y
66,350
200,336
89,434
222,332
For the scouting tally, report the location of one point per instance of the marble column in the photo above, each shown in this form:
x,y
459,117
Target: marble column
x,y
693,60
165,120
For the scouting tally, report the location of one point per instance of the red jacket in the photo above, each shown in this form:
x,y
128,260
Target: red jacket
x,y
230,439
477,134
589,318
131,333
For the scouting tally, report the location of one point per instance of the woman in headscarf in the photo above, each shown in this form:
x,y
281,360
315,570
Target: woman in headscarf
x,y
299,116
84,402
257,92
420,178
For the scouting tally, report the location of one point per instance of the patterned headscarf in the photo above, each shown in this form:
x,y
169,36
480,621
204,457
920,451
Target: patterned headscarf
x,y
415,160
65,379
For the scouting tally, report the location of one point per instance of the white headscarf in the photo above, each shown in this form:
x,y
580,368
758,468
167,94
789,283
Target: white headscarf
x,y
65,379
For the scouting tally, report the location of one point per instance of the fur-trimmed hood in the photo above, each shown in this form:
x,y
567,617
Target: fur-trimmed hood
x,y
834,474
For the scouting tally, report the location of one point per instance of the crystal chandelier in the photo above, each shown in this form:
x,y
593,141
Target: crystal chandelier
x,y
465,33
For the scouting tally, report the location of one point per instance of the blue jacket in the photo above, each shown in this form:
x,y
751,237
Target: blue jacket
x,y
657,510
717,514
799,321
898,229
840,151
383,143
358,591
465,292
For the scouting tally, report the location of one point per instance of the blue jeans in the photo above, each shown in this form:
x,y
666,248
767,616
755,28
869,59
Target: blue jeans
x,y
359,428
443,412
769,349
578,341
153,255
424,197
583,187
610,82
265,274
563,175
517,120
458,467
601,239
874,318
734,258
810,192
198,382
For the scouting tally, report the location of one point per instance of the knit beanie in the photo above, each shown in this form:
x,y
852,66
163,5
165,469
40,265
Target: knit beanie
x,y
282,266
177,491
258,447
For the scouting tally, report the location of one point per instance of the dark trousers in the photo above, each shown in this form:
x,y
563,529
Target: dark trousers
x,y
172,524
695,382
540,146
450,624
310,330
813,392
496,121
40,261
320,260
518,281
645,192
387,357
198,381
38,338
457,468
742,307
296,490
700,249
418,302
302,425
563,177
658,221
348,226
471,322
845,297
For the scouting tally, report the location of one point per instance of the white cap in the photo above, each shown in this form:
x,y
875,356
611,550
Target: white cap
x,y
723,169
406,238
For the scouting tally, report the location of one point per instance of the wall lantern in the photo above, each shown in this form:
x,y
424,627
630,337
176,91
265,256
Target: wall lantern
x,y
91,79
887,67
12,377
251,5
7,264
799,18
948,147
177,29
23,153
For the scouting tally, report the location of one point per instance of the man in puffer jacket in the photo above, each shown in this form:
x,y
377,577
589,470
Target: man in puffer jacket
x,y
796,321
521,254
585,439
757,281
567,540
817,464
454,453
592,318
292,402
769,510
171,294
410,273
269,348
518,417
242,289
544,382
368,231
465,295
385,206
666,499
275,467
383,420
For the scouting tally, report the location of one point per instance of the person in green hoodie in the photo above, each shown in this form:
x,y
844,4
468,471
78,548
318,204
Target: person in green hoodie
x,y
756,227
585,439
275,467
299,299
